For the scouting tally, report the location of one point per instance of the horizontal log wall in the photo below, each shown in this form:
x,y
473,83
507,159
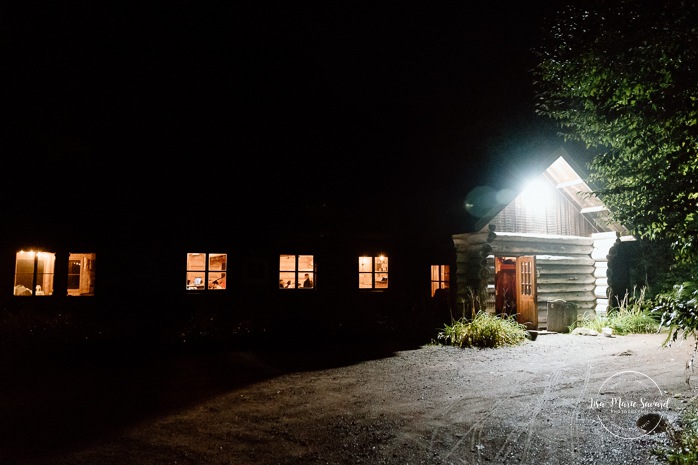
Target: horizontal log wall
x,y
570,268
559,279
565,267
472,271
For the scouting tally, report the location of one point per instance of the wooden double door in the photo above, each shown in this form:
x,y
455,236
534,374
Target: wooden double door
x,y
515,289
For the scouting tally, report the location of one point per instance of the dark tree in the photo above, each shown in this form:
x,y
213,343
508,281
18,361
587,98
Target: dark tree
x,y
622,78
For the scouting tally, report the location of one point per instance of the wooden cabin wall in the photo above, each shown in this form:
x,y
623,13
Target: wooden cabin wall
x,y
565,268
603,250
559,217
571,268
602,245
472,270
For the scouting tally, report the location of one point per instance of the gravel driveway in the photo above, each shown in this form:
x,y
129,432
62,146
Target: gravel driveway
x,y
560,399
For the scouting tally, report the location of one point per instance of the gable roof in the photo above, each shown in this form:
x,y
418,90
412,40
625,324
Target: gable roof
x,y
569,178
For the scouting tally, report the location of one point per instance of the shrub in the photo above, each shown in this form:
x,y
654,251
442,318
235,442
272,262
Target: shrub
x,y
678,310
485,330
631,316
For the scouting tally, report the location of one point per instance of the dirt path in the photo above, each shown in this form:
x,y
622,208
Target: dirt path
x,y
539,403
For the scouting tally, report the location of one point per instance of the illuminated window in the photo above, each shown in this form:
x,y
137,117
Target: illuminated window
x,y
206,271
296,272
81,274
373,272
34,273
440,278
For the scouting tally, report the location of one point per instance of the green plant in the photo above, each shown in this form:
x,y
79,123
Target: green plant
x,y
619,78
485,330
631,316
683,448
679,310
471,304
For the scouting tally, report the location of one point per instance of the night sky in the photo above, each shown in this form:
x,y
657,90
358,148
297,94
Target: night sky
x,y
359,109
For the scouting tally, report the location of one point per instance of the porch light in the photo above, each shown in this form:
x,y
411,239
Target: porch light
x,y
536,194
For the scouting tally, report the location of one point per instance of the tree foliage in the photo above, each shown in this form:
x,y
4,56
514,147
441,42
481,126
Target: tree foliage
x,y
622,78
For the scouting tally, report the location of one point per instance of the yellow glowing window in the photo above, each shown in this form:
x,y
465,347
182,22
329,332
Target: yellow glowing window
x,y
81,274
296,271
440,278
206,271
373,272
34,273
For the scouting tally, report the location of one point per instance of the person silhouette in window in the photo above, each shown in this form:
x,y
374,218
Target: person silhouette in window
x,y
307,282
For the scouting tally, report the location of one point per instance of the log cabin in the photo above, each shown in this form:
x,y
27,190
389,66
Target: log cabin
x,y
146,272
541,252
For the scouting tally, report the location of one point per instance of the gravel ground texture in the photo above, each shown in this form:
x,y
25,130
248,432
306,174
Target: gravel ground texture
x,y
560,399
